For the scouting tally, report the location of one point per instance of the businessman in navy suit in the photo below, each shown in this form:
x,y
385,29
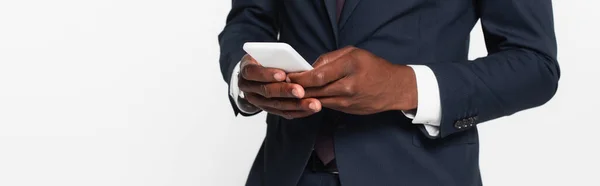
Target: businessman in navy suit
x,y
393,99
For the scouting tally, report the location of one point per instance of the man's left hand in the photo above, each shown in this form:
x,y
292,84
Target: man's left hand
x,y
355,81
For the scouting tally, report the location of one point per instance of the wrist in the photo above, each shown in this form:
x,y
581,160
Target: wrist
x,y
406,88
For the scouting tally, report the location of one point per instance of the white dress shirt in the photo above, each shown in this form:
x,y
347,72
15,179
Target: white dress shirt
x,y
428,113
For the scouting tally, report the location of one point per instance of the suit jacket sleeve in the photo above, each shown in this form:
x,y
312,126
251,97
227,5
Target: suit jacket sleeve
x,y
520,71
248,20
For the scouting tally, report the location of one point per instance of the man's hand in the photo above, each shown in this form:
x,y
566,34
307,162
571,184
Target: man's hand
x,y
265,88
356,81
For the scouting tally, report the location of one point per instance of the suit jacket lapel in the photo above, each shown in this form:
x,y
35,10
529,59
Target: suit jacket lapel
x,y
349,7
331,11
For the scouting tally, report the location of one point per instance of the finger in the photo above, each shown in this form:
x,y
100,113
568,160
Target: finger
x,y
322,75
336,103
284,104
332,56
278,104
338,88
247,59
289,114
312,105
256,72
272,90
252,70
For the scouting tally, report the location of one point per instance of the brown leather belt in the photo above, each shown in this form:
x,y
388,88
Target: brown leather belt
x,y
314,164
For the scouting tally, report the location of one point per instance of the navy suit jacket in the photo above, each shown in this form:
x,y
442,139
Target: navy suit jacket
x,y
520,72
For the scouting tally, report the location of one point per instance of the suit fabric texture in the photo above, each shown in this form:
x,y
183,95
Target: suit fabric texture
x,y
520,72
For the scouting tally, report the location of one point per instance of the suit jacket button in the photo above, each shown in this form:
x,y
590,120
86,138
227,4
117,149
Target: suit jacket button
x,y
458,124
472,120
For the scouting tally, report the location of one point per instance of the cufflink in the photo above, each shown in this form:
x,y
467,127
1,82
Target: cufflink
x,y
242,95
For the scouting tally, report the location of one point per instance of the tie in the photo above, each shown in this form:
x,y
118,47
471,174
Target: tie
x,y
324,143
339,5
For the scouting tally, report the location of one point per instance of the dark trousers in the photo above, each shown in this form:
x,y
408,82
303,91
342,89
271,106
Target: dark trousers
x,y
311,178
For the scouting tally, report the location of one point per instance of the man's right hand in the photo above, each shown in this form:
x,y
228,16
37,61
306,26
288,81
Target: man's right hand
x,y
266,89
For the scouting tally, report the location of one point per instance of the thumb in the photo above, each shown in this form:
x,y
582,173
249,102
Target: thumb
x,y
332,56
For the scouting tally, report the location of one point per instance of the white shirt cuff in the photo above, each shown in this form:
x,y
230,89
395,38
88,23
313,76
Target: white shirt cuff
x,y
235,93
429,107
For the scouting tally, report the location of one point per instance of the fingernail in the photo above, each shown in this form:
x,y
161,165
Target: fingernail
x,y
279,76
313,106
295,92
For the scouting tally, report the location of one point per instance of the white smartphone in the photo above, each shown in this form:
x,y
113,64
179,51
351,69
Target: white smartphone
x,y
277,55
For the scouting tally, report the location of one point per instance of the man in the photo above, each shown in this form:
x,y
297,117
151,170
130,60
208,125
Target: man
x,y
393,99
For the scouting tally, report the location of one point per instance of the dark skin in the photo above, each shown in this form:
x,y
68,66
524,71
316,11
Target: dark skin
x,y
266,89
349,80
